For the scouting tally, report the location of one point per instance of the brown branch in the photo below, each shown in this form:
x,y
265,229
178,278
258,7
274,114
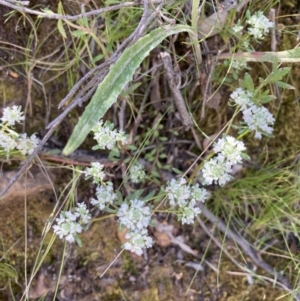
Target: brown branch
x,y
67,17
176,94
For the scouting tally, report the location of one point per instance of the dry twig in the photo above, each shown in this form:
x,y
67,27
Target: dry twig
x,y
176,94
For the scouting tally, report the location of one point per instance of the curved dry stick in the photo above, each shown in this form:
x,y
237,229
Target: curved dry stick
x,y
67,17
248,249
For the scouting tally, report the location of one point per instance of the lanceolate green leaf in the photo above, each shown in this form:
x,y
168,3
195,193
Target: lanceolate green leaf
x,y
119,75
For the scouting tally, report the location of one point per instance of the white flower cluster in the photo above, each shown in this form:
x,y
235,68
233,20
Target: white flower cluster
x,y
95,171
137,173
229,152
107,136
257,118
69,224
237,28
26,145
178,192
105,196
241,97
260,25
104,191
136,218
11,115
239,65
137,241
185,198
10,140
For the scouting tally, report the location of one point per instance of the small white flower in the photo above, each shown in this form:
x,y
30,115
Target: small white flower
x,y
198,194
178,192
106,137
27,145
70,238
216,170
67,230
188,213
95,171
237,28
105,195
135,216
67,225
83,213
69,216
11,115
239,64
242,98
260,25
259,119
137,241
122,138
137,173
230,149
7,142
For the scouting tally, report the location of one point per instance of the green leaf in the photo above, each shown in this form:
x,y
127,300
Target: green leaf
x,y
177,171
155,174
284,85
8,270
78,33
98,58
267,98
83,22
119,196
136,194
114,155
149,196
61,29
60,25
78,240
119,75
248,82
60,9
278,74
47,11
130,90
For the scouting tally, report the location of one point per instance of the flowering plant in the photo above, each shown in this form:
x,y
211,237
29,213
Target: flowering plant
x,y
9,139
134,212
